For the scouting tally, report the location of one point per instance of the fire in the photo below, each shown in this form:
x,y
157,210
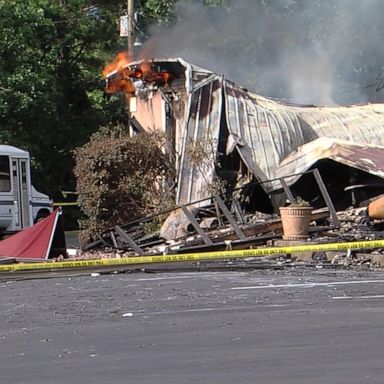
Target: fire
x,y
122,60
151,75
121,77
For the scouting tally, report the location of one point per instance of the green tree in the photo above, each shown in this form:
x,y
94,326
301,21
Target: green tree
x,y
51,91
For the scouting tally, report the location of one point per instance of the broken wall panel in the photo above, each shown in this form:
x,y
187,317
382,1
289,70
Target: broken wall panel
x,y
150,112
200,144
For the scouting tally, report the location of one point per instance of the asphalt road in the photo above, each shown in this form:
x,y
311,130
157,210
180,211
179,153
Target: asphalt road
x,y
267,327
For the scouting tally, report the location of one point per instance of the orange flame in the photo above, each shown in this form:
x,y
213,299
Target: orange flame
x,y
149,74
120,77
122,60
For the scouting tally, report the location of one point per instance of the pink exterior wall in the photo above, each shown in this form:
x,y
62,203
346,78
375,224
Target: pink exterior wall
x,y
150,113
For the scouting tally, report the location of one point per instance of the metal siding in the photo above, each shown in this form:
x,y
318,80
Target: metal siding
x,y
203,124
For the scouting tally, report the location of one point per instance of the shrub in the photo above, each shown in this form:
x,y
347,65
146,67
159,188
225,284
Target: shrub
x,y
120,178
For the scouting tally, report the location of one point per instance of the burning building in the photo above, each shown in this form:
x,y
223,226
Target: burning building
x,y
218,131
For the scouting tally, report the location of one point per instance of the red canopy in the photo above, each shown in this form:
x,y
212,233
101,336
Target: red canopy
x,y
43,240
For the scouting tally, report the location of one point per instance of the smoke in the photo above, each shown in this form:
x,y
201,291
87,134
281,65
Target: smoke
x,y
307,51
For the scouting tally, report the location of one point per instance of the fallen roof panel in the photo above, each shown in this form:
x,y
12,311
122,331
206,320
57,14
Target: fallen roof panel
x,y
271,133
367,158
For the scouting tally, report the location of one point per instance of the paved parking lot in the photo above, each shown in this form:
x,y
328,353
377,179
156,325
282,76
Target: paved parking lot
x,y
295,326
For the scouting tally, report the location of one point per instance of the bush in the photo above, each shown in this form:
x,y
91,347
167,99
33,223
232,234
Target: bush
x,y
120,179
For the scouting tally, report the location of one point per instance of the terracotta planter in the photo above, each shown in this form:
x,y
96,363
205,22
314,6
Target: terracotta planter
x,y
376,209
295,222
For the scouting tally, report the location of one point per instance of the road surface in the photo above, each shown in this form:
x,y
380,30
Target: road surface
x,y
270,327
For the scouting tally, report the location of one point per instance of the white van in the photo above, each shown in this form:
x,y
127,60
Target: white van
x,y
20,204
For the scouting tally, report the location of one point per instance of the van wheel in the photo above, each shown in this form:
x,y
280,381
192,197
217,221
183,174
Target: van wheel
x,y
41,216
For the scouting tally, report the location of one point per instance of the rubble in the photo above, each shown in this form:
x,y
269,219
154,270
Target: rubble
x,y
263,231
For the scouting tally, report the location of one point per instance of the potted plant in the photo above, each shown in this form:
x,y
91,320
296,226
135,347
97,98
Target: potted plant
x,y
295,219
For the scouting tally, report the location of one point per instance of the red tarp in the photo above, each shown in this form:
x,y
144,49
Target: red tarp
x,y
43,240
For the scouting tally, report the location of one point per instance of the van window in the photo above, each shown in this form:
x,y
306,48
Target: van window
x,y
5,174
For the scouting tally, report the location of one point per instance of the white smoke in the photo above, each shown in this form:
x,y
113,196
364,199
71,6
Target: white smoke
x,y
308,51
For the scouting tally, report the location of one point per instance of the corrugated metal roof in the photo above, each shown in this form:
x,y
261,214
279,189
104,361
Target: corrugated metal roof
x,y
272,131
368,158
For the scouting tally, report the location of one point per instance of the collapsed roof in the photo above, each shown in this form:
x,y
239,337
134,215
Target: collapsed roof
x,y
244,134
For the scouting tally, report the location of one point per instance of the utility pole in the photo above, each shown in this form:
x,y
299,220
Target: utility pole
x,y
131,14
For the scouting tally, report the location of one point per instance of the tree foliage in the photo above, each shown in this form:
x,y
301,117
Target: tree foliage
x,y
51,94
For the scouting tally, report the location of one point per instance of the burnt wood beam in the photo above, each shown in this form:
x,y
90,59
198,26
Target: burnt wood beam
x,y
127,239
229,217
195,224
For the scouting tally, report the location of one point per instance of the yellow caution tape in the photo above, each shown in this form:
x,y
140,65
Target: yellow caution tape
x,y
188,257
63,204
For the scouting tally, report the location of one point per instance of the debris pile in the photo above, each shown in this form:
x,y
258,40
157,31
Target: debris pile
x,y
221,227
